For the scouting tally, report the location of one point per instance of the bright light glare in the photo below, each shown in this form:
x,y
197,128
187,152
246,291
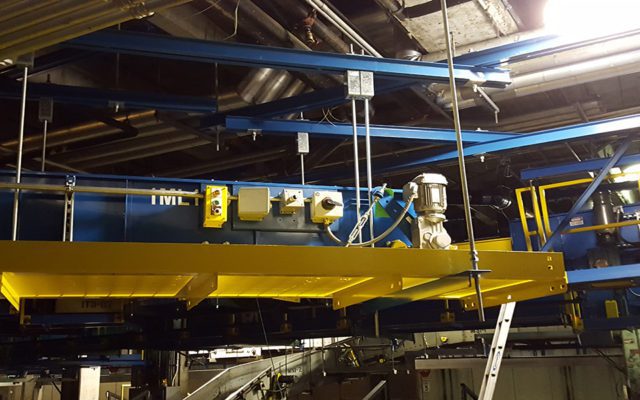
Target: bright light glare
x,y
584,19
632,173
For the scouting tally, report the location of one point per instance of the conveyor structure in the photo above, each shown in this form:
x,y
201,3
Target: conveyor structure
x,y
132,239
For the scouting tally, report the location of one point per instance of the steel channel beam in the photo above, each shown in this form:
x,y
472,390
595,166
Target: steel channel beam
x,y
572,168
104,98
346,130
274,57
532,139
601,275
295,104
335,96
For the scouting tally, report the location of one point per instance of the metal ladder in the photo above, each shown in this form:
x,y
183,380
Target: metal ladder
x,y
498,344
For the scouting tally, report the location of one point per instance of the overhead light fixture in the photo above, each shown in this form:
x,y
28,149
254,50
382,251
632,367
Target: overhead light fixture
x,y
586,19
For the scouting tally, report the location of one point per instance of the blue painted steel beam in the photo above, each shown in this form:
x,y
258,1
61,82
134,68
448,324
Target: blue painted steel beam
x,y
274,57
104,98
335,96
572,168
301,103
532,139
346,130
601,275
586,195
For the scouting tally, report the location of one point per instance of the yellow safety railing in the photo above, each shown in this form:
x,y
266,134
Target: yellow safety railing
x,y
541,211
539,232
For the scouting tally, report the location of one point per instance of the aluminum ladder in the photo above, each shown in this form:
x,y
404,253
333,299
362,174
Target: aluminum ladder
x,y
498,344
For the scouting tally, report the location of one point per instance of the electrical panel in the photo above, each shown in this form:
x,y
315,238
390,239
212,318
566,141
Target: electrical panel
x,y
326,207
254,203
291,200
216,206
359,85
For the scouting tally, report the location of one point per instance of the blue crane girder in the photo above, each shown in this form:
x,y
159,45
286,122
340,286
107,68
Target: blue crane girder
x,y
289,59
346,130
588,276
575,167
532,139
108,98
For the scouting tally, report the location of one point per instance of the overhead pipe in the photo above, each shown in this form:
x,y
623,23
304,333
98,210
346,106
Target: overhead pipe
x,y
146,135
225,163
39,15
57,31
279,83
78,133
12,8
320,29
569,68
557,78
160,144
329,14
254,86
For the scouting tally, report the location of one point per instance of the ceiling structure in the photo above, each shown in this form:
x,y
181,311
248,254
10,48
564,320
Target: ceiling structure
x,y
161,139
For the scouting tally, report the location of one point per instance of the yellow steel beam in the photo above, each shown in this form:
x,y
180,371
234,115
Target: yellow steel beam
x,y
9,293
500,244
81,269
604,226
367,290
179,258
198,288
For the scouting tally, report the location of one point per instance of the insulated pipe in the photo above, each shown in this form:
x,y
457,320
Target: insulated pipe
x,y
88,24
568,75
35,17
463,170
10,9
148,135
78,133
256,82
163,146
277,85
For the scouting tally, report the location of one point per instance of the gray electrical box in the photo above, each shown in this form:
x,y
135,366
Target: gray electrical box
x,y
360,85
45,109
303,143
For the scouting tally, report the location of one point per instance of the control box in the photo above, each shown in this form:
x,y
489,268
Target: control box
x,y
326,207
254,203
291,200
216,206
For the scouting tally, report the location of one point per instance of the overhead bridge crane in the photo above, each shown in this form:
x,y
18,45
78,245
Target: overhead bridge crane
x,y
199,239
